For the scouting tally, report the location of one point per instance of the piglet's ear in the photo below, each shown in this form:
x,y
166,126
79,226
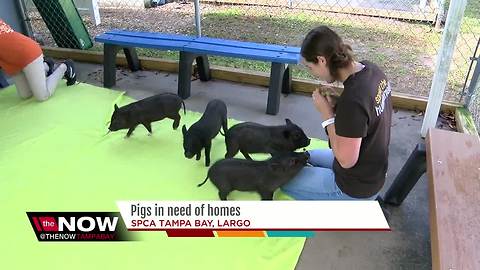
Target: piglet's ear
x,y
288,121
115,107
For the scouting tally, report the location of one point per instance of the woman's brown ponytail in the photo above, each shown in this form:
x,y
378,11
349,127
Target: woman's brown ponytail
x,y
322,41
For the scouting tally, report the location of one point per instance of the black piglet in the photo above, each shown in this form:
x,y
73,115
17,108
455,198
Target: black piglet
x,y
202,132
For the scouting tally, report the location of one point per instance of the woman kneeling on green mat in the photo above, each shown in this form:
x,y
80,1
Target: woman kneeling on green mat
x,y
22,58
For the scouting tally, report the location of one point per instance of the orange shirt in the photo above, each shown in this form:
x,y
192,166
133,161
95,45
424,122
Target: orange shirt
x,y
16,50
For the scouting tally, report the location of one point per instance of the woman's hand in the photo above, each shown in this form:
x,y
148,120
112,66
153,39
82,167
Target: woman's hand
x,y
333,102
323,105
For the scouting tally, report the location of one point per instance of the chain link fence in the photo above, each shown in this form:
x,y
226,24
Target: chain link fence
x,y
471,92
474,106
402,36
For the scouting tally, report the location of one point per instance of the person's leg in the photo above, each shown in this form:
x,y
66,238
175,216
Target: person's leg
x,y
315,183
46,67
55,77
49,65
321,158
43,87
23,89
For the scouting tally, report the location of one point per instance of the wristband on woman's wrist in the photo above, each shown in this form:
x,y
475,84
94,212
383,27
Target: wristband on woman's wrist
x,y
328,122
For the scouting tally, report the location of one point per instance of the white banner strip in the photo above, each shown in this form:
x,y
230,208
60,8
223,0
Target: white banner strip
x,y
253,215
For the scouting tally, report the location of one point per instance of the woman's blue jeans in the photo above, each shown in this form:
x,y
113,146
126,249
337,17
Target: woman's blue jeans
x,y
317,182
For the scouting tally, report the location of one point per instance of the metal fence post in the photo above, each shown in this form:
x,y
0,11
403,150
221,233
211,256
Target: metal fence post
x,y
290,3
25,19
440,14
444,59
474,83
198,23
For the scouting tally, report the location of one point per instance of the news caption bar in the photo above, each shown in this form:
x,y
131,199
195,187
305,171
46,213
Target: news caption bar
x,y
251,218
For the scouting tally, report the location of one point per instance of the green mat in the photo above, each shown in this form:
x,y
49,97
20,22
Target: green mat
x,y
54,157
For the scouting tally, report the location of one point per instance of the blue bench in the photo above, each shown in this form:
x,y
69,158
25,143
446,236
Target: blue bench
x,y
198,48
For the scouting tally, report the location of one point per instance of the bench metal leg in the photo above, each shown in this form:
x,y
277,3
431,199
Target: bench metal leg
x,y
287,81
109,67
408,176
132,58
185,74
203,68
276,82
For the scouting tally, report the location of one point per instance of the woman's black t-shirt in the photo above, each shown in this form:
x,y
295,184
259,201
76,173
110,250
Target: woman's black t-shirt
x,y
364,110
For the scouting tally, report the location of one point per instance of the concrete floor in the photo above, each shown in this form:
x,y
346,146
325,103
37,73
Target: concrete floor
x,y
407,246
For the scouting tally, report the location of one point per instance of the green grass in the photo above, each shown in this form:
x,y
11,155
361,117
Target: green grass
x,y
376,42
473,9
400,48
